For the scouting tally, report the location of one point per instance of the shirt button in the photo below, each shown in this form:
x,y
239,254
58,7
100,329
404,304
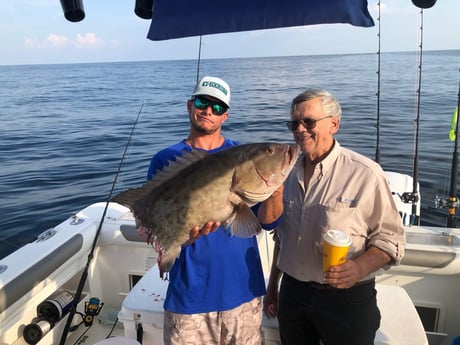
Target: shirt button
x,y
299,238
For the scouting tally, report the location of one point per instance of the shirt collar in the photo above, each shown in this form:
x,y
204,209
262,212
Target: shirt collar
x,y
326,163
330,159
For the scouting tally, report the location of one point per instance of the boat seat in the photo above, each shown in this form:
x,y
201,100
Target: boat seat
x,y
400,184
144,306
398,315
400,323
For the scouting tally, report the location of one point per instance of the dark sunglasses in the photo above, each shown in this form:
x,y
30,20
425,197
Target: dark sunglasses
x,y
203,103
307,122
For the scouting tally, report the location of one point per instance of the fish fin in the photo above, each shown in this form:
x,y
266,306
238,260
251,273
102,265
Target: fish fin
x,y
131,196
181,163
245,223
167,258
227,225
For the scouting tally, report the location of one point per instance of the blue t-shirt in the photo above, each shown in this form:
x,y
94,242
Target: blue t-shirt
x,y
218,271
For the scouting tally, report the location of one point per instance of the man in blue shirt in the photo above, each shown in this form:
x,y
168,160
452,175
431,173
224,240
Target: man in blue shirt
x,y
216,284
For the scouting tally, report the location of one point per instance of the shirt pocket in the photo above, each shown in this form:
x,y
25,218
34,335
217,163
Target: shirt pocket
x,y
344,217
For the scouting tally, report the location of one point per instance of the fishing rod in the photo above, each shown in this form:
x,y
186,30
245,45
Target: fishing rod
x,y
98,231
377,125
414,197
453,202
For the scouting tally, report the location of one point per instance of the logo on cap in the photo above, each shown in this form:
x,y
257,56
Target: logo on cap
x,y
215,85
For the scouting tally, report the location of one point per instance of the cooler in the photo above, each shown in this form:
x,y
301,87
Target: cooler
x,y
143,309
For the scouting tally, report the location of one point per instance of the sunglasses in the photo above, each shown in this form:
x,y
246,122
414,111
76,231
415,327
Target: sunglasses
x,y
307,122
203,103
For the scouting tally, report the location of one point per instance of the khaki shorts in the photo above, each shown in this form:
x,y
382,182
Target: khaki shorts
x,y
239,326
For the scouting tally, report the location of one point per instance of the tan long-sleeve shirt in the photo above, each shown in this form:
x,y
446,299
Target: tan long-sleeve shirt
x,y
347,192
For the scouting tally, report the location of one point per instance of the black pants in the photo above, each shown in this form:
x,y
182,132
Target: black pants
x,y
309,313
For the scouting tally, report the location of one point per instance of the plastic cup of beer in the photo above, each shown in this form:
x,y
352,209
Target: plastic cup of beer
x,y
335,248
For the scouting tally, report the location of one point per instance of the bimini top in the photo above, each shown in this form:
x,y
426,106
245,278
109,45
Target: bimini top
x,y
185,18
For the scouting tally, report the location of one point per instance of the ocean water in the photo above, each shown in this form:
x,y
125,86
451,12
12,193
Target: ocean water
x,y
64,128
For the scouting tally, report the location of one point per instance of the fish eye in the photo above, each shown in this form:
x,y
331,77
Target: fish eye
x,y
270,151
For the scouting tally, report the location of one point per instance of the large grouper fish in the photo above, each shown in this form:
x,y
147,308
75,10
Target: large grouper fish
x,y
199,187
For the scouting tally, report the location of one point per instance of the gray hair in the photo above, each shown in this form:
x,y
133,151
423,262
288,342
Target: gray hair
x,y
329,103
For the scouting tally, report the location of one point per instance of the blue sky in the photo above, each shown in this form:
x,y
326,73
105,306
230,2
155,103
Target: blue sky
x,y
36,32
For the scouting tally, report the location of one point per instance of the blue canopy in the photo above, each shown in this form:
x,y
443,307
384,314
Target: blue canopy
x,y
185,18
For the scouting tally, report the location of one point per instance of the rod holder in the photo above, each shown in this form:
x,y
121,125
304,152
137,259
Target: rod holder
x,y
73,10
144,9
424,3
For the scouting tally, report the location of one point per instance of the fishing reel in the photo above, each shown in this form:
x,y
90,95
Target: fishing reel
x,y
92,308
440,202
408,197
49,312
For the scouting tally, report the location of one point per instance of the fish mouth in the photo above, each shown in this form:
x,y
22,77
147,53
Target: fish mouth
x,y
292,152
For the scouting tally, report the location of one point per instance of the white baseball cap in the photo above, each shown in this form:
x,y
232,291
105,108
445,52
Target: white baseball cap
x,y
214,87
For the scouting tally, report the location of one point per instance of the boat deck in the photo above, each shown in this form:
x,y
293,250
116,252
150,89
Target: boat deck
x,y
100,333
93,335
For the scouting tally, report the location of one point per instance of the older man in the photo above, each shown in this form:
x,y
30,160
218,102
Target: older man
x,y
330,187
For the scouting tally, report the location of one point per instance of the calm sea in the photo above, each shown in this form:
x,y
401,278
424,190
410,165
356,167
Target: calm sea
x,y
64,127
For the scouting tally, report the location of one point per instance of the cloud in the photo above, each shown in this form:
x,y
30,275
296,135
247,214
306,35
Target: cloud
x,y
59,41
56,40
88,40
